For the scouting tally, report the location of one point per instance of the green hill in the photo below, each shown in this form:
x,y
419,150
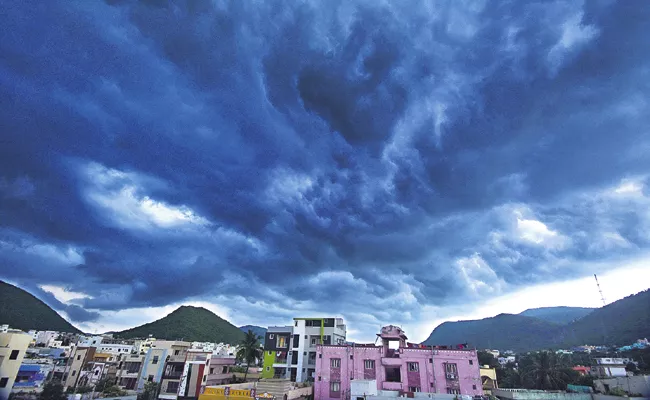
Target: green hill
x,y
190,324
258,330
619,323
22,310
558,315
505,332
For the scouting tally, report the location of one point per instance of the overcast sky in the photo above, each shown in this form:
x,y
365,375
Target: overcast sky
x,y
388,162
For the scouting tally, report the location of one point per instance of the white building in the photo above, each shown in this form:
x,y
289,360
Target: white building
x,y
115,349
46,337
90,341
308,333
505,360
608,367
143,345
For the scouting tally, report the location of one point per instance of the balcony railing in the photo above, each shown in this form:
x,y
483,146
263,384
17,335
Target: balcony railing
x,y
173,375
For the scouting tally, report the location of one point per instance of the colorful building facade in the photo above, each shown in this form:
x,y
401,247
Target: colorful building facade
x,y
290,351
395,366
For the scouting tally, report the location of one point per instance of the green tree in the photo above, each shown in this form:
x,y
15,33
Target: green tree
x,y
485,358
545,370
249,350
150,392
511,379
52,390
631,367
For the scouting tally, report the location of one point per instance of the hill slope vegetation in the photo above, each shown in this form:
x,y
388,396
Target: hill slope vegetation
x,y
505,331
258,330
618,323
21,310
557,315
190,324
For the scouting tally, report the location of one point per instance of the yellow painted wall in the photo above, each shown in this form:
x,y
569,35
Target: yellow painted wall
x,y
219,394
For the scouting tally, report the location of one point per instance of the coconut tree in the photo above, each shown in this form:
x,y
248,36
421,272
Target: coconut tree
x,y
249,350
545,370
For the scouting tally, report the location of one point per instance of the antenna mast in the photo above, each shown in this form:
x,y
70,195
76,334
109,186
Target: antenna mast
x,y
602,297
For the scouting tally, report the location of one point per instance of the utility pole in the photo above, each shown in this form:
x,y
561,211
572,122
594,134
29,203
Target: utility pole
x,y
602,297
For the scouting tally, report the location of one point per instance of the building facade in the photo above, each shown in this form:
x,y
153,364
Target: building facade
x,y
164,363
219,370
290,351
394,366
608,367
488,379
13,345
129,368
76,363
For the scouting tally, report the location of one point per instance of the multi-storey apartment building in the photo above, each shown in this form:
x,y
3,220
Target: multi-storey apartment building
x,y
164,362
76,363
290,351
394,366
219,370
13,344
129,369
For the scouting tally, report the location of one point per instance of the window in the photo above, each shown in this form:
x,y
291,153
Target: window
x,y
315,340
282,342
413,367
453,391
451,368
296,323
3,382
224,370
431,361
74,372
474,387
335,386
78,357
471,362
172,387
96,372
211,371
268,368
14,354
270,353
414,388
150,378
177,352
335,363
155,360
369,364
319,378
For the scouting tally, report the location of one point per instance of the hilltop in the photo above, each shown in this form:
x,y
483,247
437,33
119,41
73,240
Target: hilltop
x,y
21,310
190,324
618,323
558,315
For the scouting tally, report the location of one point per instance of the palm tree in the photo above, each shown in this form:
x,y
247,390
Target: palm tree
x,y
545,370
249,350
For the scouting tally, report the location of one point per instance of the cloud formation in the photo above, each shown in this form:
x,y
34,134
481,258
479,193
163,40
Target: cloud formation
x,y
357,158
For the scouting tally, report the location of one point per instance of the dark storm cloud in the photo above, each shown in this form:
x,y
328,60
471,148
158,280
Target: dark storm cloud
x,y
318,155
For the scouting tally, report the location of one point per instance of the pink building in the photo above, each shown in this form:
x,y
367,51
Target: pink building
x,y
395,366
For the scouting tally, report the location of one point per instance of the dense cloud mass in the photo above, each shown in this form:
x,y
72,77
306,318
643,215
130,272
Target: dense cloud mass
x,y
360,158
